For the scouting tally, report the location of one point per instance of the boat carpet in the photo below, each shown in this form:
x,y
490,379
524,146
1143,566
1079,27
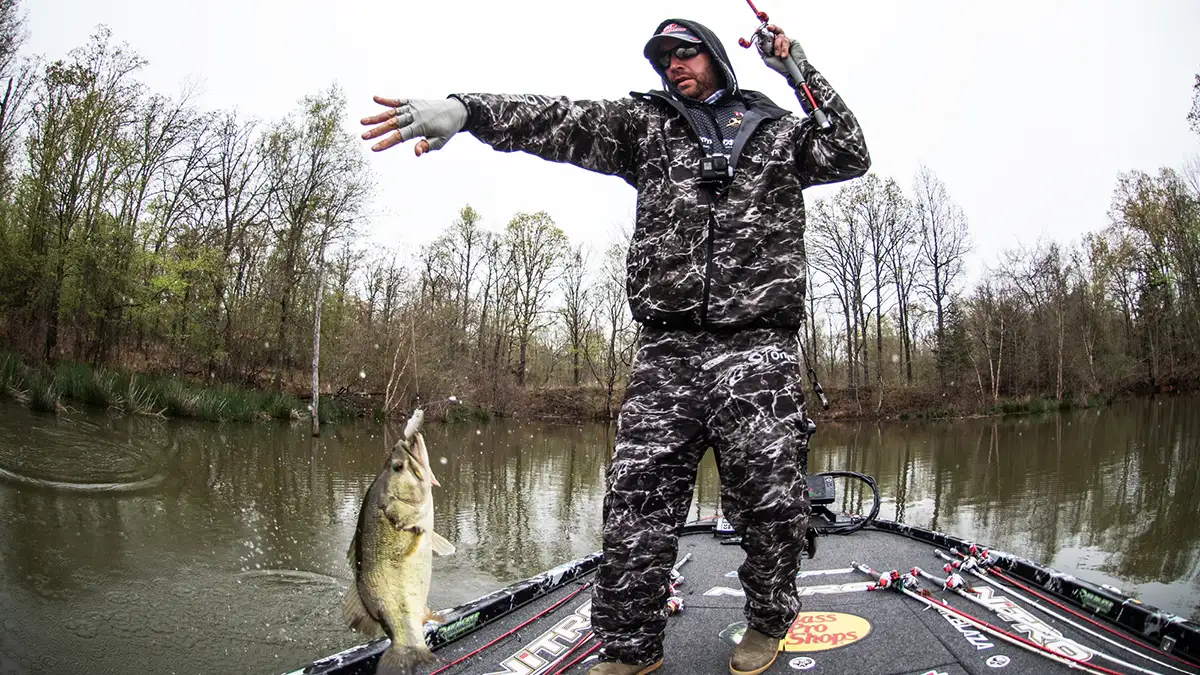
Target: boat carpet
x,y
843,629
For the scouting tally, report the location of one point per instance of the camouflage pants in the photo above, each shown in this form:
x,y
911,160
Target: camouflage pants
x,y
741,394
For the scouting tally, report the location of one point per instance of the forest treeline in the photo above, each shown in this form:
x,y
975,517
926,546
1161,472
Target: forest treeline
x,y
140,232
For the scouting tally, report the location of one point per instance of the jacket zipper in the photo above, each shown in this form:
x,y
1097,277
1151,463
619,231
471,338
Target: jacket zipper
x,y
708,265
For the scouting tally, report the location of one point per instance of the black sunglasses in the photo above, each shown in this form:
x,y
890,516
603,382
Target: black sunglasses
x,y
682,52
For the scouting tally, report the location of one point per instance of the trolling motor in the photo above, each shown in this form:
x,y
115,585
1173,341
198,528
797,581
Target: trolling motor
x,y
765,38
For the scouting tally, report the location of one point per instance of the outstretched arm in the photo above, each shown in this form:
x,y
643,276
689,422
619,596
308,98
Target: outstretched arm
x,y
599,136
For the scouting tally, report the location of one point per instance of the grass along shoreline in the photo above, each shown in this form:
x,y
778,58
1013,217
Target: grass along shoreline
x,y
68,383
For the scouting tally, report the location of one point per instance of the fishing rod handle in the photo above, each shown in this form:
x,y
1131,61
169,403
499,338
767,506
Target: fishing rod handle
x,y
816,112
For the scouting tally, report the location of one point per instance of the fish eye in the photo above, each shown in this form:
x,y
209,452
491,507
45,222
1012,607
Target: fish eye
x,y
397,465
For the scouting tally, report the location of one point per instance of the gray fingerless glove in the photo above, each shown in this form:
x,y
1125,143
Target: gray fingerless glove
x,y
436,120
777,63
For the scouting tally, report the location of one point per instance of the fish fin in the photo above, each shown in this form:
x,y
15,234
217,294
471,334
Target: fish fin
x,y
440,545
436,617
356,615
402,659
352,552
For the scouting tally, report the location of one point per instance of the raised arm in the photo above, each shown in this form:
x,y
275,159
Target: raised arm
x,y
823,155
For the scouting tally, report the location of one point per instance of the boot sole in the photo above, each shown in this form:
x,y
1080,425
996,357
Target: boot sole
x,y
735,671
651,668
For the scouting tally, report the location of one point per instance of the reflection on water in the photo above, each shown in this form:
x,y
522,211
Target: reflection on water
x,y
179,547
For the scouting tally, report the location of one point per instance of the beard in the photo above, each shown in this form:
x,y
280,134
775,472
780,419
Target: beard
x,y
703,84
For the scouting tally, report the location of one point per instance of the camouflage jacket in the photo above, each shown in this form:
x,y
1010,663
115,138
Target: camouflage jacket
x,y
700,258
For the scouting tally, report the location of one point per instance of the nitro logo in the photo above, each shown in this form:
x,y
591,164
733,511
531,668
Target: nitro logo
x,y
828,589
818,631
978,640
537,656
1037,630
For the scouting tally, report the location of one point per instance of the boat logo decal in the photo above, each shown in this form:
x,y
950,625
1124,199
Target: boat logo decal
x,y
1094,601
802,591
977,639
997,661
802,663
1034,628
458,628
805,573
818,631
539,654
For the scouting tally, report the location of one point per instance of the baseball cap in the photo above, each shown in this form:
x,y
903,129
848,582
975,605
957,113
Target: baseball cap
x,y
670,30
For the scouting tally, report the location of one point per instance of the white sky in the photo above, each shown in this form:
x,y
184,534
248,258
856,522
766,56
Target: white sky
x,y
1027,110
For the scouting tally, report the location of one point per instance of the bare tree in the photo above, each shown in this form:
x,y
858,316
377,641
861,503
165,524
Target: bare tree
x,y
1194,114
536,247
576,298
944,246
837,254
880,206
612,332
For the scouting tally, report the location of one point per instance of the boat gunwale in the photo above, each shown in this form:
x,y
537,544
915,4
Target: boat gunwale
x,y
1158,628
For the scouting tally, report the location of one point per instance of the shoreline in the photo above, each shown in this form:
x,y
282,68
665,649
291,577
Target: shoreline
x,y
70,386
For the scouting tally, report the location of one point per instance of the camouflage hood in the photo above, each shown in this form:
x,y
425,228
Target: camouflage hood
x,y
710,42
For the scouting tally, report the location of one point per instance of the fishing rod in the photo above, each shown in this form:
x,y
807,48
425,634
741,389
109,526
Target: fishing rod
x,y
975,568
765,37
516,628
955,583
905,584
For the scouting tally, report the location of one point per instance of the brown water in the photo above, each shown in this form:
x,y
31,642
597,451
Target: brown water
x,y
134,545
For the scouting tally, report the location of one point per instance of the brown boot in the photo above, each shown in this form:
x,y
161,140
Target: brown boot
x,y
754,654
614,668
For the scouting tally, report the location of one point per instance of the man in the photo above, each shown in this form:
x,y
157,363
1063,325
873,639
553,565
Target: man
x,y
716,276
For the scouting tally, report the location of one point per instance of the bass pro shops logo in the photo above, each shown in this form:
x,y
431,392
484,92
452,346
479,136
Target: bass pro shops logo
x,y
818,631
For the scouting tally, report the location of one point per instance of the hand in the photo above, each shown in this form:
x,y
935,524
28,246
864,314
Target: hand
x,y
435,120
779,48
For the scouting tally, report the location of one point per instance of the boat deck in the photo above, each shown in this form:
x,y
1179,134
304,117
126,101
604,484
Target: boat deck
x,y
842,629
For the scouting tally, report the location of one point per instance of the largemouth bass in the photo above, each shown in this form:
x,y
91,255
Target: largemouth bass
x,y
392,555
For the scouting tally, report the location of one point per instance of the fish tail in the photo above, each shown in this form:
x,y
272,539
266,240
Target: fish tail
x,y
402,659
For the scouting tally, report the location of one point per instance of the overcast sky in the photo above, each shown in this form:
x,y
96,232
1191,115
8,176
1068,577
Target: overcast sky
x,y
1027,110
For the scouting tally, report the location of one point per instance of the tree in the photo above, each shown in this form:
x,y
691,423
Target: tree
x,y
75,155
535,248
837,253
944,246
17,78
1194,115
574,309
612,332
318,173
